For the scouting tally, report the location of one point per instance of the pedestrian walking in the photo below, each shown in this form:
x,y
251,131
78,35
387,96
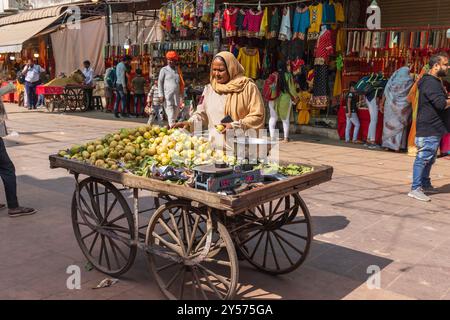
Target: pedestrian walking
x,y
433,101
32,74
154,108
7,169
138,84
121,86
171,87
352,115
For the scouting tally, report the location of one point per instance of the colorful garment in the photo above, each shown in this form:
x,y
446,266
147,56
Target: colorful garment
x,y
240,30
199,8
315,15
341,40
322,52
304,107
209,6
252,23
283,103
229,21
324,46
264,28
413,99
274,25
301,22
339,10
328,14
285,29
396,109
249,59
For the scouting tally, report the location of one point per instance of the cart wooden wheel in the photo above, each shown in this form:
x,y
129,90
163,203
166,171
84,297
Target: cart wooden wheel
x,y
104,226
275,236
72,99
191,256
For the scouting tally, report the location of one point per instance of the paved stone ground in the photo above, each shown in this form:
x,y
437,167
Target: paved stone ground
x,y
361,218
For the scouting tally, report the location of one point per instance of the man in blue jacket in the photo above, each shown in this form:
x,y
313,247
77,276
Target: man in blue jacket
x,y
433,101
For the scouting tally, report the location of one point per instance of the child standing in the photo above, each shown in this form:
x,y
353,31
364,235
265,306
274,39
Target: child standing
x,y
139,92
352,116
154,108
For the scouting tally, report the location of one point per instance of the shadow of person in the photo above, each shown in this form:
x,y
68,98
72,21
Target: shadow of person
x,y
443,189
326,224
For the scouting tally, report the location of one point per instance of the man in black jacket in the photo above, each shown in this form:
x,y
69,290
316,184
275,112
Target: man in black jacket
x,y
433,101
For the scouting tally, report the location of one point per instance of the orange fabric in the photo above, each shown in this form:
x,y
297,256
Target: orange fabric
x,y
182,83
413,98
172,55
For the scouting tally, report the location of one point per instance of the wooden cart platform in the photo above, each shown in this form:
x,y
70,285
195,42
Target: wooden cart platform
x,y
194,237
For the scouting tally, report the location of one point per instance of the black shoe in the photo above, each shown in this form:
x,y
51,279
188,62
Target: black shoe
x,y
21,211
116,115
124,115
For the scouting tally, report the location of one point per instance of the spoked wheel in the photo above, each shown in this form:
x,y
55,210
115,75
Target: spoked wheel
x,y
104,226
72,99
190,256
275,236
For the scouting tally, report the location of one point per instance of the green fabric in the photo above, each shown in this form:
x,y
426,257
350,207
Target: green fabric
x,y
283,103
339,63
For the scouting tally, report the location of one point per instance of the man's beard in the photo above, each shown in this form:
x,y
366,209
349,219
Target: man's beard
x,y
442,73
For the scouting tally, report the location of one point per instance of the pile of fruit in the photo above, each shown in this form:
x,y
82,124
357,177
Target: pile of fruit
x,y
289,170
133,149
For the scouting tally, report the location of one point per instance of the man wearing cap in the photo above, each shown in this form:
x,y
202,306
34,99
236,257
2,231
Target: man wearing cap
x,y
171,86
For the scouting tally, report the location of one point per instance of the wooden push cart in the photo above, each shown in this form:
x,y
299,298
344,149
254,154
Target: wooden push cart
x,y
194,237
63,98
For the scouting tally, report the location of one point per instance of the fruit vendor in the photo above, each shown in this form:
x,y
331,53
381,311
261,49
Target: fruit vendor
x,y
229,93
171,87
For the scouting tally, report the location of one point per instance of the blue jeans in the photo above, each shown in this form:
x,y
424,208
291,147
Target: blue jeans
x,y
139,98
355,120
426,155
373,110
31,93
120,97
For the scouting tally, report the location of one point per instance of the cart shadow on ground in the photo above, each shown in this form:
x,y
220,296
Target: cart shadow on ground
x,y
329,272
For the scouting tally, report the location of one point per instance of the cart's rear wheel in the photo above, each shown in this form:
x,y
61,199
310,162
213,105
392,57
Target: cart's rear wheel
x,y
104,227
274,237
72,99
190,256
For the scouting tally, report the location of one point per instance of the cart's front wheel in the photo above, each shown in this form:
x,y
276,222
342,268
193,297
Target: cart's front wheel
x,y
275,236
104,226
190,256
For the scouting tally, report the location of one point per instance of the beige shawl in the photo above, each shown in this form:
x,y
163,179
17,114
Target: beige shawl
x,y
244,102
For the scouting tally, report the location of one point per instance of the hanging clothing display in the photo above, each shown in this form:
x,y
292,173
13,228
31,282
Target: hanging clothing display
x,y
301,22
315,16
240,23
274,25
249,59
199,8
339,11
322,52
285,28
264,28
252,23
328,14
229,21
209,6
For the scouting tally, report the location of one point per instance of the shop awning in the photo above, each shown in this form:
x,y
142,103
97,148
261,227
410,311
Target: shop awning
x,y
12,36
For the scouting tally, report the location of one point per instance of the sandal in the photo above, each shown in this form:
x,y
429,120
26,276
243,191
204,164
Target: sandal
x,y
21,211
